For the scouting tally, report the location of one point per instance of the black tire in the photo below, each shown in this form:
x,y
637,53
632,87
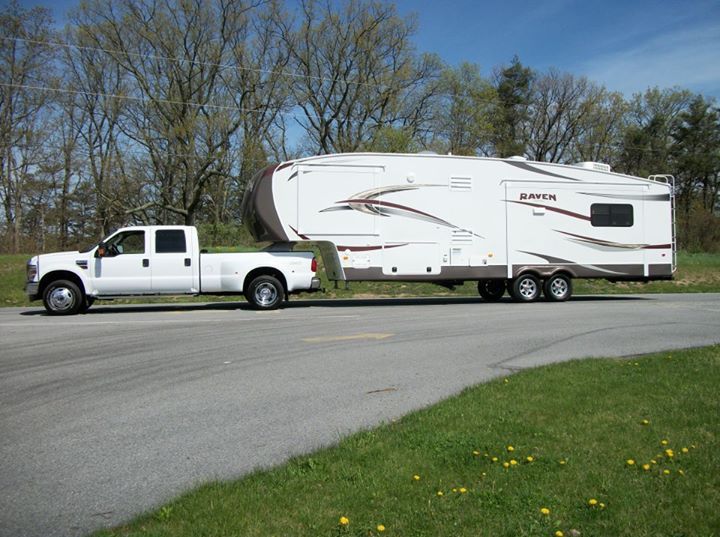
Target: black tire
x,y
265,293
63,297
558,288
491,290
526,288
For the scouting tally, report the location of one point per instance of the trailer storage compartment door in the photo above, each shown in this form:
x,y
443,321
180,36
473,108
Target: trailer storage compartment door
x,y
336,200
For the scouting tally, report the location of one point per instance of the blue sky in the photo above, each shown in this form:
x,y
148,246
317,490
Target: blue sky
x,y
626,45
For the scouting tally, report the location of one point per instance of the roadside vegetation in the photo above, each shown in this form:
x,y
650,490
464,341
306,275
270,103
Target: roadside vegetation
x,y
624,447
697,273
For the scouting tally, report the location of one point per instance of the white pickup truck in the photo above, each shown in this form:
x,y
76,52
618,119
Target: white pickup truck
x,y
164,260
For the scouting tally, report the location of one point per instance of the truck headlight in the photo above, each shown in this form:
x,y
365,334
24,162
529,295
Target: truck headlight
x,y
31,272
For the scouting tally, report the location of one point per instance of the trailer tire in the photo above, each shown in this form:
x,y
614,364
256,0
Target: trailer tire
x,y
491,290
526,288
63,297
558,288
265,293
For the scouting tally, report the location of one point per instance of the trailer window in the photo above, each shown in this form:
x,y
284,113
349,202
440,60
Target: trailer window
x,y
611,215
170,241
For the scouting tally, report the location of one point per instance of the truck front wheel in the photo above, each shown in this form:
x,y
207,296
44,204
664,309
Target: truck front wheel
x,y
265,293
63,297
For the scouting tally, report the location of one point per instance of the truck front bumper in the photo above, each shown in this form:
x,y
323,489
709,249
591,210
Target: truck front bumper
x,y
31,290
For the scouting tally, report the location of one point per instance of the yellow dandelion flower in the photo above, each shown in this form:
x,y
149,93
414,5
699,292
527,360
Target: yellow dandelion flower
x,y
684,450
663,442
416,477
484,474
494,459
513,462
670,453
544,511
592,502
681,472
380,528
476,453
666,472
692,446
645,422
440,493
646,467
559,533
510,449
506,465
602,505
630,462
462,490
454,490
563,461
653,461
506,381
529,458
344,521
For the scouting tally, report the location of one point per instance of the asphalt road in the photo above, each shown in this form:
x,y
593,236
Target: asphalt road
x,y
105,415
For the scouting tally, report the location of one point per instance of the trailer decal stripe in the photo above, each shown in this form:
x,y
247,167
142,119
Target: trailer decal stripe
x,y
554,209
527,167
611,244
369,248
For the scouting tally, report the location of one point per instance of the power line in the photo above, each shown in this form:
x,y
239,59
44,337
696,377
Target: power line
x,y
131,98
194,62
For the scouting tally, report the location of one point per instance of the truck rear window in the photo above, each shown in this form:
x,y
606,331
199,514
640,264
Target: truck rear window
x,y
170,241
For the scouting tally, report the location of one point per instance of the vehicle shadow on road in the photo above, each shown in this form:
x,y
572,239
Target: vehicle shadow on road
x,y
101,309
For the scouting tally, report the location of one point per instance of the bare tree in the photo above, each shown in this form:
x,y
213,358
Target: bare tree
x,y
355,66
25,69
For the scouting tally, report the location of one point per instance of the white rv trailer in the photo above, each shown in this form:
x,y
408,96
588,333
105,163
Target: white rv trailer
x,y
506,223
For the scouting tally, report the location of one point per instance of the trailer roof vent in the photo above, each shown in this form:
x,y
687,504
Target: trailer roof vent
x,y
517,157
597,166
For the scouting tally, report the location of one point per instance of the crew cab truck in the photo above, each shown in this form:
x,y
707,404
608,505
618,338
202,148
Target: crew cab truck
x,y
165,260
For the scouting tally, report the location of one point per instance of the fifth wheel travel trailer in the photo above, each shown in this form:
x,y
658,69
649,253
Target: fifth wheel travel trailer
x,y
528,227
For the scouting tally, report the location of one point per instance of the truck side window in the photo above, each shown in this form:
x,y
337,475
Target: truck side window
x,y
170,241
128,242
611,215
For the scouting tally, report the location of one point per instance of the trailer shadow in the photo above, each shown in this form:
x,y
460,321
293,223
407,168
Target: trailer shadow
x,y
103,309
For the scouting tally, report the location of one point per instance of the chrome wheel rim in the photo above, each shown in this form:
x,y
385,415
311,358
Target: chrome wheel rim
x,y
558,287
265,294
528,288
61,299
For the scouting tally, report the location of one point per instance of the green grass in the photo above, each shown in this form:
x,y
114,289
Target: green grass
x,y
587,413
697,273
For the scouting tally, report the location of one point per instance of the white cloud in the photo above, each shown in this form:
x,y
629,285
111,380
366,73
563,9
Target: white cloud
x,y
689,58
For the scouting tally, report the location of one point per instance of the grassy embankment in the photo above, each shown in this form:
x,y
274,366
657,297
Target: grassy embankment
x,y
624,447
697,273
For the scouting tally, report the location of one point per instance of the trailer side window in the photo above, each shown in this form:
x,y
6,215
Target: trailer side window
x,y
611,215
170,241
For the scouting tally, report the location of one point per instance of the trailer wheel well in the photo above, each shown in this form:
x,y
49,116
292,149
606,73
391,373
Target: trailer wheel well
x,y
59,275
264,271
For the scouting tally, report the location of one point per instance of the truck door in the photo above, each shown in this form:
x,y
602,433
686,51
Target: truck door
x,y
123,270
172,262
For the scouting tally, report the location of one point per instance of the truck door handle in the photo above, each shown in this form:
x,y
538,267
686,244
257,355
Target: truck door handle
x,y
146,262
187,261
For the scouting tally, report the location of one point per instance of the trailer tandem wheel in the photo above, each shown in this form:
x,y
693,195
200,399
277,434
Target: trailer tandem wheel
x,y
558,288
525,288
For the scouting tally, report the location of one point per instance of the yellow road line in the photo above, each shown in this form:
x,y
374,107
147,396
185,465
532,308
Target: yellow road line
x,y
325,339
